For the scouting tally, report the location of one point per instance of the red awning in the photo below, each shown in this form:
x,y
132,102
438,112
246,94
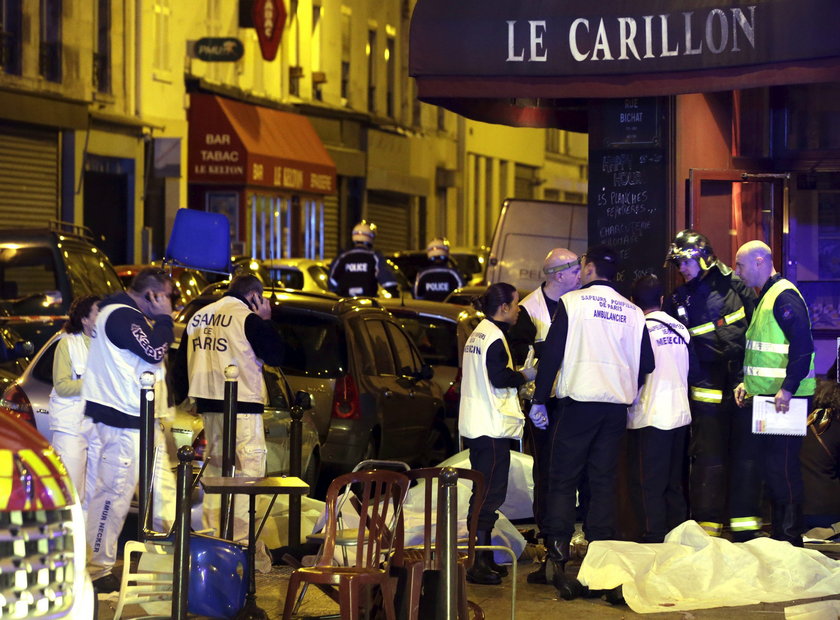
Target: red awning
x,y
536,62
236,143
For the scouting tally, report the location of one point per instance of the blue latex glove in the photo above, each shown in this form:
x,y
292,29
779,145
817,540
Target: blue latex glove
x,y
539,416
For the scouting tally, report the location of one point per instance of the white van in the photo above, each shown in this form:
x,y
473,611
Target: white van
x,y
527,230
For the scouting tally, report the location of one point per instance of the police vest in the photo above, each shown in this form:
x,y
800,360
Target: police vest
x,y
534,303
766,357
215,338
663,400
355,273
66,412
485,409
603,345
112,377
435,283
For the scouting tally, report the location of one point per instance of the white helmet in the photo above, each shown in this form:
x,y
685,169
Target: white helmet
x,y
364,232
438,248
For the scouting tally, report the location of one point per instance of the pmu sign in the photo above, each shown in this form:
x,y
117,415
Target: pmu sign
x,y
269,20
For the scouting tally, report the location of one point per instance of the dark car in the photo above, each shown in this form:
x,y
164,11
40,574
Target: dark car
x,y
469,262
42,271
372,394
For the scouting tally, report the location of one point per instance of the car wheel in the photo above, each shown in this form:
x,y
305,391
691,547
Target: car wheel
x,y
312,472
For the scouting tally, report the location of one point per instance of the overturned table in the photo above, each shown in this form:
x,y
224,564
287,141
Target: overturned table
x,y
275,485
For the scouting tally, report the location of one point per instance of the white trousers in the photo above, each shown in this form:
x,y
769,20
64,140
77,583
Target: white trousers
x,y
250,461
116,478
77,449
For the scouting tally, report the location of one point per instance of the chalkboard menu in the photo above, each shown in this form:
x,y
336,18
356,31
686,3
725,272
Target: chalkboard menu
x,y
628,182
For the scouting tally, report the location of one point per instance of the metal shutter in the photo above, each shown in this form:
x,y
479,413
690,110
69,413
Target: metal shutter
x,y
28,175
331,225
393,222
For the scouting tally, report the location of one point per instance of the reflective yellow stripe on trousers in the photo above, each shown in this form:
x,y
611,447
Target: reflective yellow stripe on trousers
x,y
745,524
705,328
712,528
706,395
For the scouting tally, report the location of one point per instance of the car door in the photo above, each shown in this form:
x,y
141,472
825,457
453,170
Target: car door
x,y
390,392
419,395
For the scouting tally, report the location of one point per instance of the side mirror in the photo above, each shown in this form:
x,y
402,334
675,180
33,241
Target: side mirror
x,y
426,372
303,400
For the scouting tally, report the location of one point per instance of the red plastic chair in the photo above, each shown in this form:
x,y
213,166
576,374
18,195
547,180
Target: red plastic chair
x,y
420,558
378,496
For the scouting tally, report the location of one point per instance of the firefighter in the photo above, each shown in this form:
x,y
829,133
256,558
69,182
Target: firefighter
x,y
439,278
716,306
779,362
357,272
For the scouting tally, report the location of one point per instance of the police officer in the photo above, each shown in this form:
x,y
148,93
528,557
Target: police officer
x,y
490,415
439,278
716,306
133,333
357,271
561,268
599,344
236,329
779,362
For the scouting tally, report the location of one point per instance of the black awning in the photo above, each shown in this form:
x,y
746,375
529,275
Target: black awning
x,y
494,59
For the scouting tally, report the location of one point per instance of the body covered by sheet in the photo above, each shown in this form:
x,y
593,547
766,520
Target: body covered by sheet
x,y
692,570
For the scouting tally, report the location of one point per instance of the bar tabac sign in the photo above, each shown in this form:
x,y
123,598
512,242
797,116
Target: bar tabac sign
x,y
269,21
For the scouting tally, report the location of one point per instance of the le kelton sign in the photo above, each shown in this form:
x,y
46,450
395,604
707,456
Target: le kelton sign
x,y
269,21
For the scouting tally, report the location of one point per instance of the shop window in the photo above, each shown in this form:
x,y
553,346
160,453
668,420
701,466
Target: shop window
x,y
811,117
102,55
751,123
10,36
50,40
160,59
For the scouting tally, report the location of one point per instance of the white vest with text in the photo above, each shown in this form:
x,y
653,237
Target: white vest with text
x,y
485,409
534,303
216,338
603,344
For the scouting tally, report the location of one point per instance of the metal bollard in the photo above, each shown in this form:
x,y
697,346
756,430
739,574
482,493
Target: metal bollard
x,y
147,448
446,546
229,447
295,466
181,563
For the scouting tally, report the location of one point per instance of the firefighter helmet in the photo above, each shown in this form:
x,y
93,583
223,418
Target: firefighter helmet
x,y
438,249
364,232
691,244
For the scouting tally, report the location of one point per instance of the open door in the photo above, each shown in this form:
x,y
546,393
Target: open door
x,y
732,207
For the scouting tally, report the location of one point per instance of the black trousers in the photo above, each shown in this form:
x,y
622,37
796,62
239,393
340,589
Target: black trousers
x,y
779,456
537,442
655,462
490,456
583,437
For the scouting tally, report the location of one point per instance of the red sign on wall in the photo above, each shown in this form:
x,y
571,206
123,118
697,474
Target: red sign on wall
x,y
269,20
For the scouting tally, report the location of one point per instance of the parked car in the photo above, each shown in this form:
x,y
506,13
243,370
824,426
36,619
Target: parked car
x,y
42,271
465,295
43,550
440,331
472,262
372,394
188,282
301,274
28,398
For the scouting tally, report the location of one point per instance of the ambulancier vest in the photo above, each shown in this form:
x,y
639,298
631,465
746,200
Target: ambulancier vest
x,y
112,377
216,338
603,345
766,357
534,303
485,409
663,400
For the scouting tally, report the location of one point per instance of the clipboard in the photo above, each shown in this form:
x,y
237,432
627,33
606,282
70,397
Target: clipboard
x,y
767,421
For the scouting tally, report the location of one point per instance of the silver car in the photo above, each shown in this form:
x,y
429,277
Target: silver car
x,y
29,397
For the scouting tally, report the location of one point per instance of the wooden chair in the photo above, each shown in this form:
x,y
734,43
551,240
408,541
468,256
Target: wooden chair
x,y
420,558
380,495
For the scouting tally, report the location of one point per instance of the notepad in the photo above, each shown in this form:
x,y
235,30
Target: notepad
x,y
767,421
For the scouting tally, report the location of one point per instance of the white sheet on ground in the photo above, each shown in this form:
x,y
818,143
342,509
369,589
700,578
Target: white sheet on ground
x,y
519,503
692,570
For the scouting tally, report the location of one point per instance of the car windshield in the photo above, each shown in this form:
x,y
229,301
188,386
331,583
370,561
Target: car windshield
x,y
436,339
315,345
26,271
468,263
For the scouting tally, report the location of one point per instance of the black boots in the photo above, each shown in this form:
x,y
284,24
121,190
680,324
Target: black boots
x,y
787,523
568,588
538,576
485,537
482,571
